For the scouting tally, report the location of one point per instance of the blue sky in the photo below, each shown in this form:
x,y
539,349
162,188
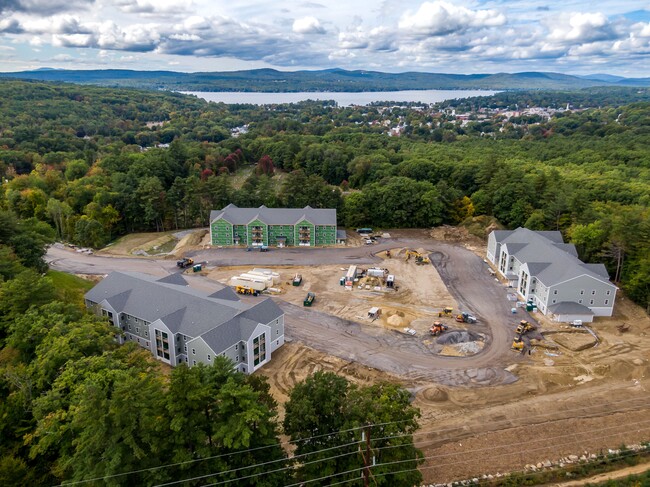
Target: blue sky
x,y
445,36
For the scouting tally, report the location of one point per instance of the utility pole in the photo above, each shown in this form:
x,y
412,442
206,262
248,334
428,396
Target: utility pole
x,y
366,458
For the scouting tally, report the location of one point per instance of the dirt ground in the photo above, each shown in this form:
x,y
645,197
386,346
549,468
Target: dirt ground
x,y
419,294
575,393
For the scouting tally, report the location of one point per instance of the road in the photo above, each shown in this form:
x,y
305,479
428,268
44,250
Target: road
x,y
463,271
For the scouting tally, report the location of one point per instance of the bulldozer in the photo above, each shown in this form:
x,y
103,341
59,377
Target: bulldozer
x,y
524,327
438,328
446,311
517,345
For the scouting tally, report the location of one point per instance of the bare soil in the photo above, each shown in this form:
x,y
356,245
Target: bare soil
x,y
573,393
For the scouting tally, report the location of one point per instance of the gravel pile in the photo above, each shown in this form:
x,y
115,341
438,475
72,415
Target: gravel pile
x,y
458,336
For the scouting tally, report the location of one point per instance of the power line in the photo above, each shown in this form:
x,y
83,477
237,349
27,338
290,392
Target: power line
x,y
187,462
622,455
411,460
433,466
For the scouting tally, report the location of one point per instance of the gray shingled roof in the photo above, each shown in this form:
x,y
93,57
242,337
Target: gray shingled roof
x,y
569,308
275,216
175,278
226,293
263,312
543,247
182,309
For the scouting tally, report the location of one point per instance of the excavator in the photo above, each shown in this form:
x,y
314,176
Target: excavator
x,y
524,327
411,253
446,311
438,328
421,260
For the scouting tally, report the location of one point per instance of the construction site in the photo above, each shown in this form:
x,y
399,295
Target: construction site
x,y
495,381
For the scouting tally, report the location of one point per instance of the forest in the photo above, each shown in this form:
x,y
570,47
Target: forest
x,y
95,163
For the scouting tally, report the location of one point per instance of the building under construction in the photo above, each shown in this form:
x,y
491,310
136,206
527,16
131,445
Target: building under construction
x,y
276,227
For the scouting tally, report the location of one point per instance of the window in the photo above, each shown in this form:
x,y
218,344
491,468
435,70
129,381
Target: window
x,y
146,333
184,338
579,301
162,344
236,358
608,293
137,329
554,301
593,292
185,348
606,302
193,362
555,291
209,358
194,351
147,344
582,291
277,332
129,326
591,301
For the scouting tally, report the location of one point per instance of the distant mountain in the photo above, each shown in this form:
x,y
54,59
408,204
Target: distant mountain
x,y
270,80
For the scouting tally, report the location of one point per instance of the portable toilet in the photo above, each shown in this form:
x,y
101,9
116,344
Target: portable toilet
x,y
197,268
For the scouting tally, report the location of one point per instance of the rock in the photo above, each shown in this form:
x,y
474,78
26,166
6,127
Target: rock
x,y
583,458
490,477
593,456
547,464
573,458
539,465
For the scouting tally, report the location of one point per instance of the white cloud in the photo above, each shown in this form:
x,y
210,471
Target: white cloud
x,y
307,25
580,28
441,18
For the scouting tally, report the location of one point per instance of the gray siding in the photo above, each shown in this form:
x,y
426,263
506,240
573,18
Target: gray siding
x,y
587,291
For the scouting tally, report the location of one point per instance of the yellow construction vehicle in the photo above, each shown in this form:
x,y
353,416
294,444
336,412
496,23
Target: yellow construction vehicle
x,y
446,311
524,327
421,260
517,345
246,290
411,253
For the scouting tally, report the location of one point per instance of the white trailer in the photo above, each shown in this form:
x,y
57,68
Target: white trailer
x,y
257,285
350,277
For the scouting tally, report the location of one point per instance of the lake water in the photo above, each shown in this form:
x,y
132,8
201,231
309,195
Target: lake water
x,y
342,98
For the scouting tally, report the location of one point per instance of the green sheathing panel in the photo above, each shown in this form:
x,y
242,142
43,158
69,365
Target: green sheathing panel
x,y
309,231
221,232
262,235
325,234
242,231
281,230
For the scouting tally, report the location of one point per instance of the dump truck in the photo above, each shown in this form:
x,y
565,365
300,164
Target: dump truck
x,y
184,263
438,328
309,299
446,311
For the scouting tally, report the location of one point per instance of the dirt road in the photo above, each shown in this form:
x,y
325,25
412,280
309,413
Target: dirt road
x,y
374,347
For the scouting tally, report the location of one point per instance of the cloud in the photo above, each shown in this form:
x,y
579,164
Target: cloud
x,y
152,6
440,18
10,26
307,25
43,7
578,28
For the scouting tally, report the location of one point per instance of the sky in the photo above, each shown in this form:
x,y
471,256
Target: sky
x,y
438,36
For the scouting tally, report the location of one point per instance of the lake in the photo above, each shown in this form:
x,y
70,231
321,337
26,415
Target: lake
x,y
342,98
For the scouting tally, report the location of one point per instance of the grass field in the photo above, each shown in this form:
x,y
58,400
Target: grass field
x,y
69,287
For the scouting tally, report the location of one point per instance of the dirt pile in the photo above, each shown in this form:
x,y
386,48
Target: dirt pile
x,y
459,336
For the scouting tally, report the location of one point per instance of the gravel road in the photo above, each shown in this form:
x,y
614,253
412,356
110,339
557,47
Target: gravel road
x,y
463,272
